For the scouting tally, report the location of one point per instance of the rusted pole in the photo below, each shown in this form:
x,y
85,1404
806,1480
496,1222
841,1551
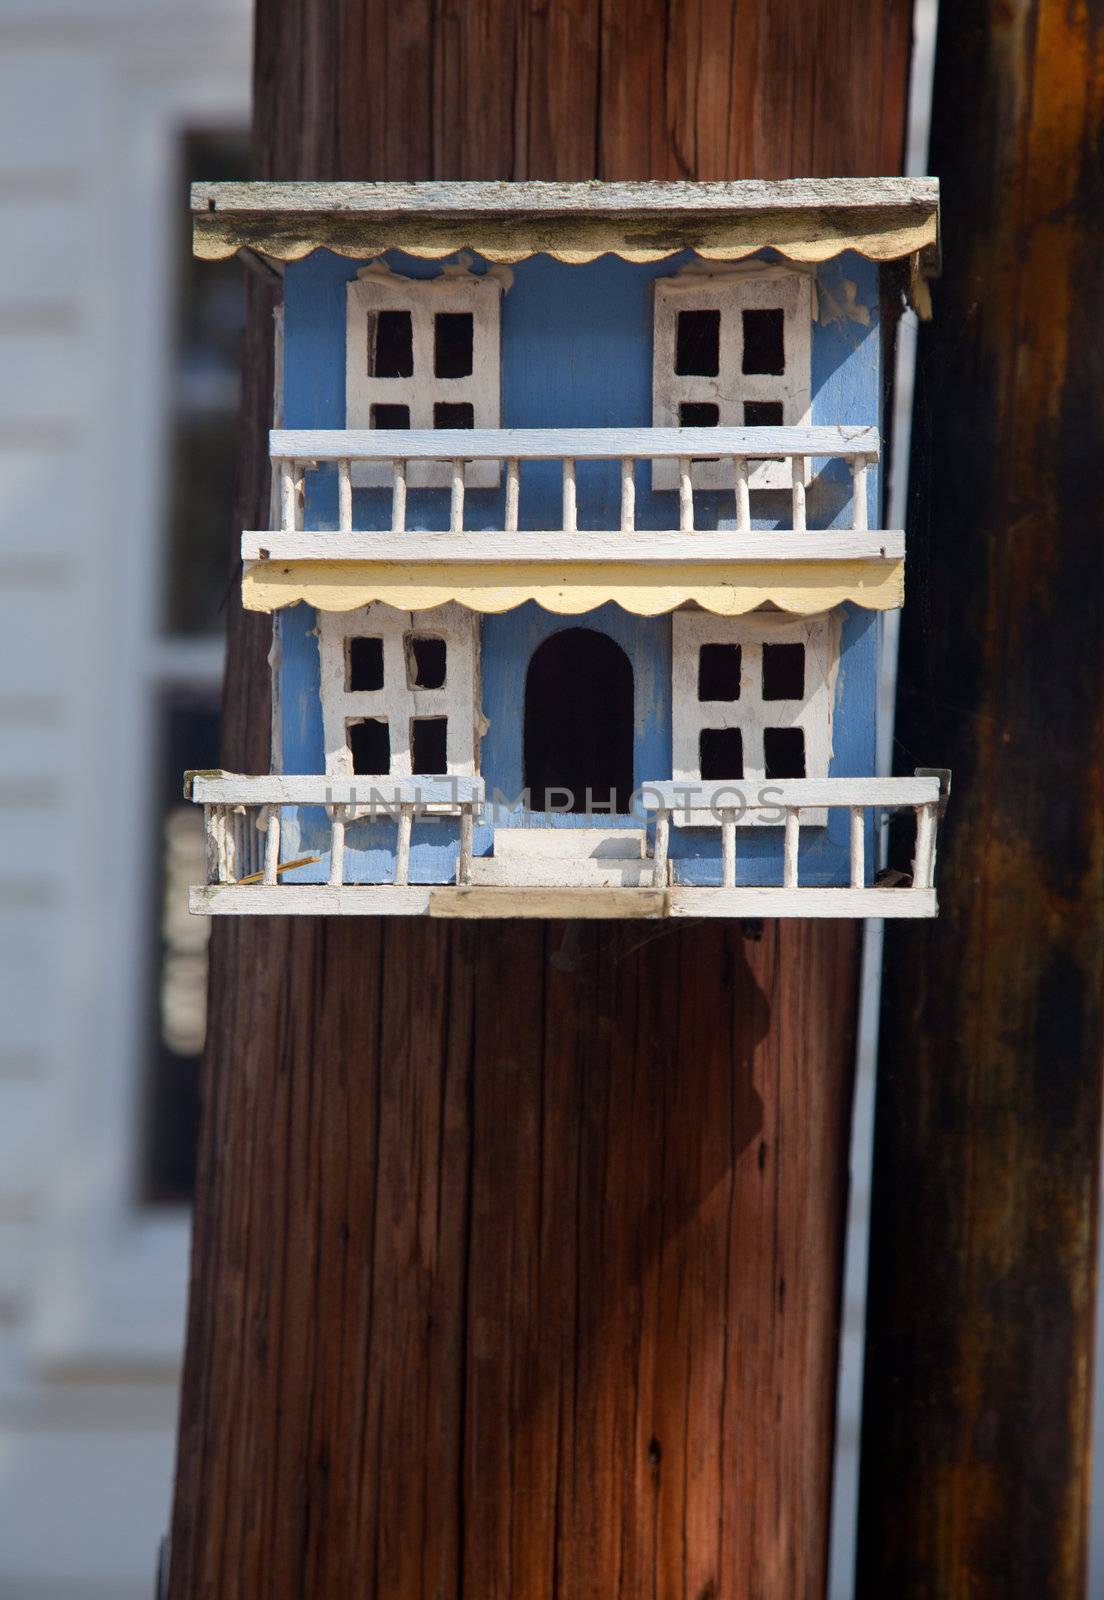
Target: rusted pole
x,y
517,1255
978,1393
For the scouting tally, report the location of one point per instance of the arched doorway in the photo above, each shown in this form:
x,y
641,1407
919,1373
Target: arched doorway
x,y
579,722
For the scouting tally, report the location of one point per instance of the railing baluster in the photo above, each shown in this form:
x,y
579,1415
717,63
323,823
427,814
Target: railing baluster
x,y
513,493
662,844
398,496
743,494
337,846
344,497
402,846
923,862
570,521
467,825
272,844
300,494
790,846
456,505
728,847
859,510
628,495
797,473
686,496
858,847
287,496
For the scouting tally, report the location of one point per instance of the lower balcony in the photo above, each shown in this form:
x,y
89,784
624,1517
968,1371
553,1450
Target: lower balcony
x,y
256,864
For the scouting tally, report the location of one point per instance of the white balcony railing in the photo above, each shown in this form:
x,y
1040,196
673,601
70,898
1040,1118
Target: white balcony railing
x,y
297,453
244,866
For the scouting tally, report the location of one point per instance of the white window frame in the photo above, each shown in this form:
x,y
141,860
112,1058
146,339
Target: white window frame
x,y
751,713
732,293
397,701
377,289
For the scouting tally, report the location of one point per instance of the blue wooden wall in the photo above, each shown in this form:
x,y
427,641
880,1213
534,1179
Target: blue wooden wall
x,y
577,352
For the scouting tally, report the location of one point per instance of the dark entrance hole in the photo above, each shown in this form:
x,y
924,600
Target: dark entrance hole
x,y
698,343
579,722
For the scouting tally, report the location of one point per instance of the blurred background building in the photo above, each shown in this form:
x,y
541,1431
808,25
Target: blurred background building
x,y
117,441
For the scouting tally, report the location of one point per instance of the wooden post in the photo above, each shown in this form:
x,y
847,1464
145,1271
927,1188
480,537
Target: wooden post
x,y
517,1246
980,1329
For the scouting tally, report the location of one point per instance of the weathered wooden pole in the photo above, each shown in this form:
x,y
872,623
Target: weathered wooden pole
x,y
517,1248
978,1395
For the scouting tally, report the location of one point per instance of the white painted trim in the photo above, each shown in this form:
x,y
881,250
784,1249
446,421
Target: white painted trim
x,y
801,792
376,289
306,789
398,702
374,900
819,635
556,546
732,294
581,444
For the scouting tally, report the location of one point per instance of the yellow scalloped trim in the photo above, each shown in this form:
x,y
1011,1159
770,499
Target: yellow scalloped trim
x,y
726,588
810,235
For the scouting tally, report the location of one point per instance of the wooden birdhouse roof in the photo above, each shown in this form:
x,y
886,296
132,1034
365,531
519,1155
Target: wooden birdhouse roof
x,y
804,219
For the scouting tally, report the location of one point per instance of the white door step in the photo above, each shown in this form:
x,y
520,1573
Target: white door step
x,y
576,844
560,872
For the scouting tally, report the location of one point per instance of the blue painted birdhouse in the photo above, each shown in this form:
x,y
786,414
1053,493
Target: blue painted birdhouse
x,y
576,568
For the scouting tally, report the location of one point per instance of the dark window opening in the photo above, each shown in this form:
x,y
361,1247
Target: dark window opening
x,y
364,664
579,723
370,747
390,344
454,414
429,745
719,672
764,343
698,344
721,753
426,660
390,416
699,414
784,752
453,342
783,672
762,413
202,397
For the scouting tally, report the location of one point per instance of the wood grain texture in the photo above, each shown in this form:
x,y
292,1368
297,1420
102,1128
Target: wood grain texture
x,y
980,1323
517,1246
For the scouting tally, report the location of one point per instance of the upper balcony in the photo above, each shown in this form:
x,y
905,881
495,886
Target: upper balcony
x,y
610,540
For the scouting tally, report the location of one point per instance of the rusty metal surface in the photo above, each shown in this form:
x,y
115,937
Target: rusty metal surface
x,y
978,1395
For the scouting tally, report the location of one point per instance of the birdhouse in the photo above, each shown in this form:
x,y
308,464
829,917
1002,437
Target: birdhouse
x,y
575,565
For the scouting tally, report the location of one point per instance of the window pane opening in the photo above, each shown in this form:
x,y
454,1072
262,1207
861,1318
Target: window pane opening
x,y
719,671
454,414
390,345
429,745
784,752
453,344
426,661
390,416
783,672
698,344
699,414
721,753
764,344
762,413
364,664
369,746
